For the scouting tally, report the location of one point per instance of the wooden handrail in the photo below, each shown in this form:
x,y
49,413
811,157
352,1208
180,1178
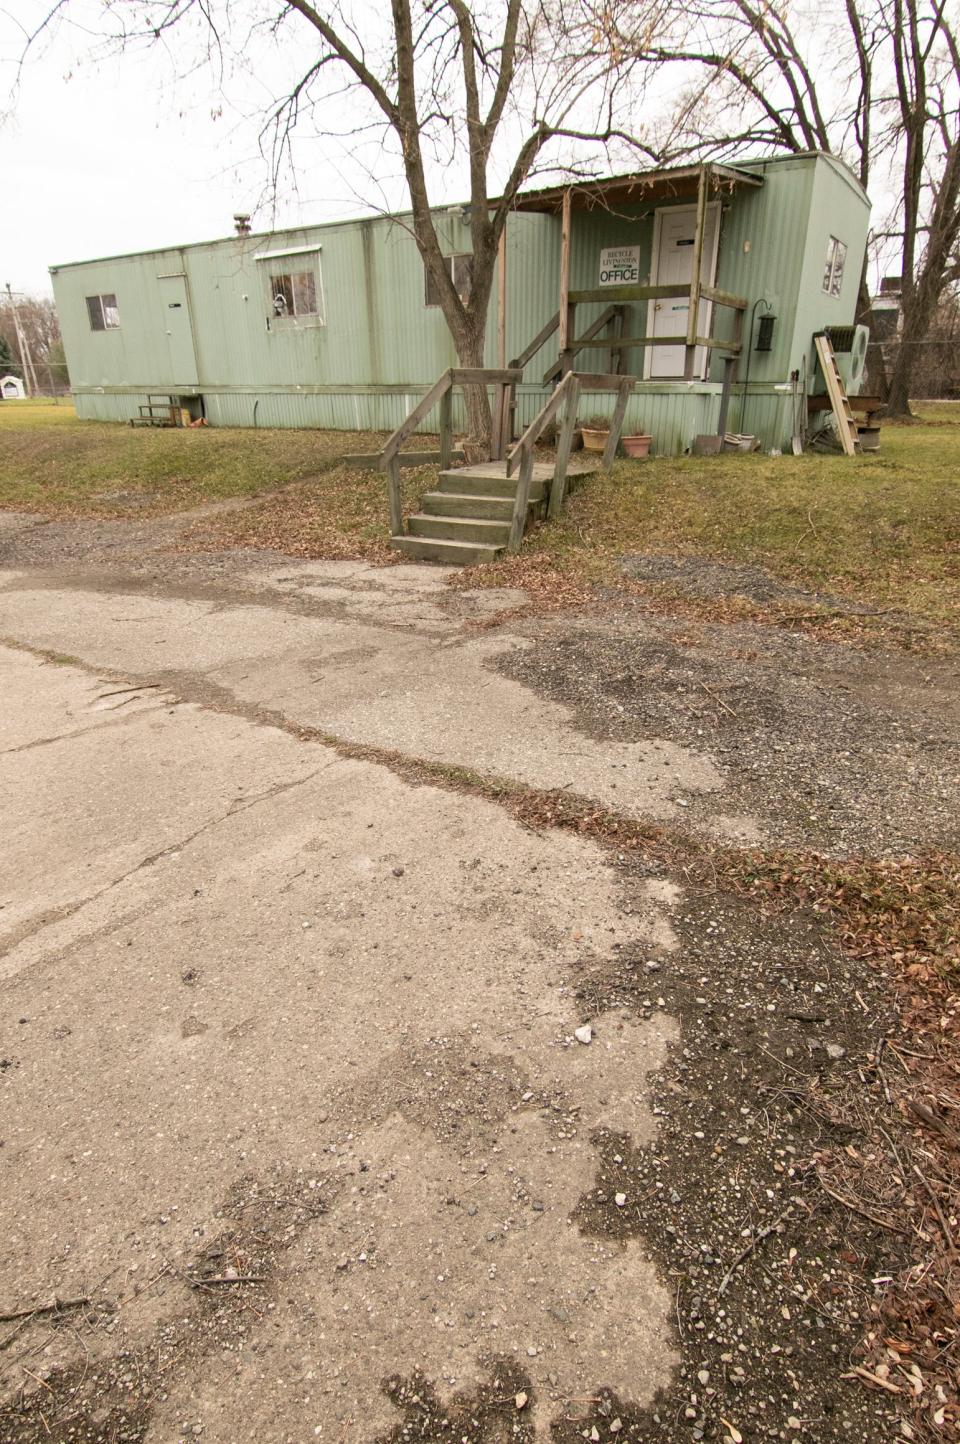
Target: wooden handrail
x,y
409,426
390,459
724,298
592,330
629,293
540,339
453,376
532,433
626,342
569,390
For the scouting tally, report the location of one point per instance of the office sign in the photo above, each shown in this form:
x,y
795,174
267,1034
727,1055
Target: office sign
x,y
620,266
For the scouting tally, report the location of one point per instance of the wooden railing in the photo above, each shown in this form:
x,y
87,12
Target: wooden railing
x,y
391,458
689,338
613,317
567,395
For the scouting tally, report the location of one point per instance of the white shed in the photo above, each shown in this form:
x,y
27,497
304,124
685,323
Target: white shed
x,y
12,388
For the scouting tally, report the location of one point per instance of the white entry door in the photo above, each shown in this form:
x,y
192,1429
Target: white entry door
x,y
175,300
674,234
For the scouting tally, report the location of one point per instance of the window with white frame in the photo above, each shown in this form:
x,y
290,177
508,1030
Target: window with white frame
x,y
294,286
461,274
103,313
833,266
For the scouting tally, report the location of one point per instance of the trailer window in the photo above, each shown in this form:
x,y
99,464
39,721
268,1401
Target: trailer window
x,y
103,313
294,293
833,266
461,274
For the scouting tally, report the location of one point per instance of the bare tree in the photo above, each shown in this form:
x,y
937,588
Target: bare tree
x,y
40,327
874,82
500,85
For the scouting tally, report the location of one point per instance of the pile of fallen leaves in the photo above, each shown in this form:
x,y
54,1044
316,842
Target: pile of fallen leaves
x,y
560,582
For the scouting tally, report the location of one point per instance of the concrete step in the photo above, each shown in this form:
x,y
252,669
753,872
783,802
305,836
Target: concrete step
x,y
463,481
479,508
454,553
459,528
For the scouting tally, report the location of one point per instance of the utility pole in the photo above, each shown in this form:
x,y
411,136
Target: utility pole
x,y
26,360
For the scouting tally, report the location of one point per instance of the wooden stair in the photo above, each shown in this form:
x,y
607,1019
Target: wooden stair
x,y
467,518
478,512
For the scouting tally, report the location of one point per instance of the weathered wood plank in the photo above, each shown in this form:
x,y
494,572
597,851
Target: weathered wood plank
x,y
521,501
868,405
396,505
565,317
729,375
446,428
712,342
615,359
630,293
408,427
542,336
592,330
483,375
529,438
724,298
590,382
502,299
496,422
696,278
507,417
626,341
558,486
616,426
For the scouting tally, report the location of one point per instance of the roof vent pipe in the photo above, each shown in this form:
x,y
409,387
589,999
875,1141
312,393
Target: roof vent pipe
x,y
242,225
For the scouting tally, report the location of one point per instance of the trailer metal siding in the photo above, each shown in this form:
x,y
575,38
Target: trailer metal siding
x,y
379,346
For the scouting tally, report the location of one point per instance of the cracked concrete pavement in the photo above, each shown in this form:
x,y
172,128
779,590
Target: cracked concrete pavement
x,y
226,951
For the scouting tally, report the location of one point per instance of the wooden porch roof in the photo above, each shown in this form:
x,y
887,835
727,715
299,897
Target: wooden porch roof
x,y
608,192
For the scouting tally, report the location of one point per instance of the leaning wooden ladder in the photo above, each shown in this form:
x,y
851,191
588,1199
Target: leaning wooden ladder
x,y
839,401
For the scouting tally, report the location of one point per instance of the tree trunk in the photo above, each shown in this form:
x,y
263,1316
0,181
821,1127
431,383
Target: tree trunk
x,y
469,341
918,309
898,394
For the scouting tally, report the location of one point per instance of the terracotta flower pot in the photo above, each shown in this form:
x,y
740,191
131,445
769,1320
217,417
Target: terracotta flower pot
x,y
594,440
638,445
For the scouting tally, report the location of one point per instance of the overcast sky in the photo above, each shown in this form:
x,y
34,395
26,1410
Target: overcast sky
x,y
98,157
102,153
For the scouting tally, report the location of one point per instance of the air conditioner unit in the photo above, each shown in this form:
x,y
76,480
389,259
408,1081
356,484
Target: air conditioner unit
x,y
850,348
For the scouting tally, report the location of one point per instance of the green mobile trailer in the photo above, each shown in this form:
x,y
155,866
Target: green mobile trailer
x,y
335,326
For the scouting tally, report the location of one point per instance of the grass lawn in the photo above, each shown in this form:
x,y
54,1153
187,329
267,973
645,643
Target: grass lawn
x,y
881,529
56,465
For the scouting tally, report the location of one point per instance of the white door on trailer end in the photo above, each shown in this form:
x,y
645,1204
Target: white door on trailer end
x,y
674,238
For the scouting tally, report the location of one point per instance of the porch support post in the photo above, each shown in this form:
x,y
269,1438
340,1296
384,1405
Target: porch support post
x,y
396,504
616,331
567,311
690,354
446,429
502,300
729,371
558,486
